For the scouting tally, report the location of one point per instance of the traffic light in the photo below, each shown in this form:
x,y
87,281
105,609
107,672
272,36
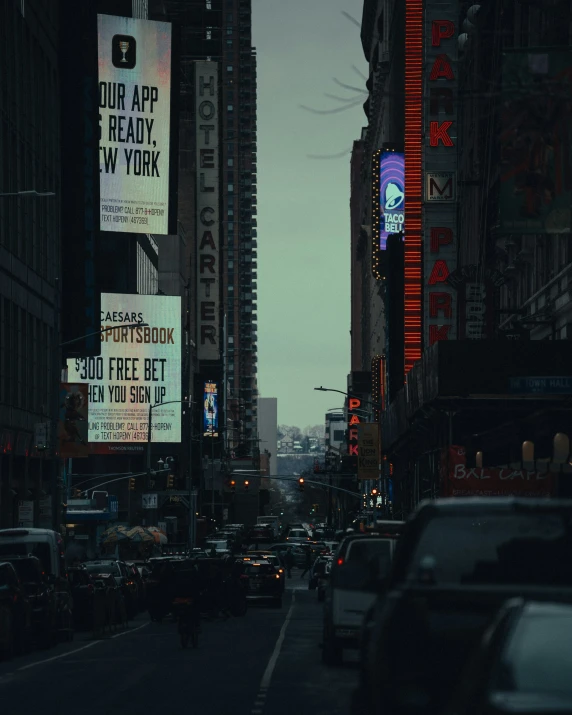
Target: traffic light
x,y
132,484
232,485
374,492
301,484
170,482
246,485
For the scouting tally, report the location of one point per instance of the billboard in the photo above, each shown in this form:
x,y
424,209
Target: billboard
x,y
134,124
536,153
139,367
369,453
73,418
210,410
389,195
207,210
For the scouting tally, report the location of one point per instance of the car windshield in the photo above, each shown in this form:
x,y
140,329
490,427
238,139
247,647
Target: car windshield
x,y
27,570
39,549
105,568
539,658
508,548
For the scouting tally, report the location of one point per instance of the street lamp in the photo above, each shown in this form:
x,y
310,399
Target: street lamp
x,y
377,405
31,192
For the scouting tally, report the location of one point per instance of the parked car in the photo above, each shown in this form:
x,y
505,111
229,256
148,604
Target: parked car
x,y
118,569
46,545
264,582
361,561
15,613
457,562
114,598
522,664
41,594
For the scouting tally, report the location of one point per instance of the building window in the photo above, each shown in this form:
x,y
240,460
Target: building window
x,y
231,188
230,108
229,30
230,162
209,35
230,212
229,68
229,43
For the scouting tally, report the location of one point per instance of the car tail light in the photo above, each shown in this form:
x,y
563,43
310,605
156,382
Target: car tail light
x,y
340,562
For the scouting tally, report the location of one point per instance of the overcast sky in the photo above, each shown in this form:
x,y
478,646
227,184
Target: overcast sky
x,y
303,203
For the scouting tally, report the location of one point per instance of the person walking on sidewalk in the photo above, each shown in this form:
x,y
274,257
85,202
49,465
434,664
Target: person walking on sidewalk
x,y
308,561
288,561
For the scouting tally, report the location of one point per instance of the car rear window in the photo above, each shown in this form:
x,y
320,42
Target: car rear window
x,y
28,571
509,548
39,549
110,568
259,569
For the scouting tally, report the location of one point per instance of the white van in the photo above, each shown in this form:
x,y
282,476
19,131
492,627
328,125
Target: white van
x,y
47,545
359,565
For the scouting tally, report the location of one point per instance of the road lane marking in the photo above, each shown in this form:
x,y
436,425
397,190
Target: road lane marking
x,y
57,657
77,650
266,678
118,635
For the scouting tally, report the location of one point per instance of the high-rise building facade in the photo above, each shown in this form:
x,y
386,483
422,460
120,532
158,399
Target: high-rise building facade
x,y
29,255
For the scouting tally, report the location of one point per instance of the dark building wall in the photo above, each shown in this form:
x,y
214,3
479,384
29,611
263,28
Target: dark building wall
x,y
29,243
357,255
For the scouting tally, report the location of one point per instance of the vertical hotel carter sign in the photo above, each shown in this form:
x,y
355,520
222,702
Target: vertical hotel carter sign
x,y
208,254
440,212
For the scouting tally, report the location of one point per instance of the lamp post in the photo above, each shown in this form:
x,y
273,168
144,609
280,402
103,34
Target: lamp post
x,y
377,405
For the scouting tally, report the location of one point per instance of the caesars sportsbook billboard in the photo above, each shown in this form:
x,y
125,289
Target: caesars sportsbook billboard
x,y
137,126
138,367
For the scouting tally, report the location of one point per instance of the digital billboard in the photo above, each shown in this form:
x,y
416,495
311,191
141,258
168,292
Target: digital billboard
x,y
134,59
210,410
389,195
138,367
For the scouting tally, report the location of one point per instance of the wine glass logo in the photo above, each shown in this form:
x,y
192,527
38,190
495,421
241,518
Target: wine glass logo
x,y
123,46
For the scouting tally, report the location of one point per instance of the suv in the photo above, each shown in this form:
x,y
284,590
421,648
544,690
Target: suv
x,y
360,563
41,594
457,562
120,572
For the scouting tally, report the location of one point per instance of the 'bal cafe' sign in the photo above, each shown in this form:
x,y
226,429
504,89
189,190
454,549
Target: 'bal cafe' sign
x,y
440,211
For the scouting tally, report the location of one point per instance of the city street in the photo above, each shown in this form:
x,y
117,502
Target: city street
x,y
266,662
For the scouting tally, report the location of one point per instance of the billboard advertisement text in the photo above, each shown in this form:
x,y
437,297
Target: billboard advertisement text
x,y
134,124
390,197
139,367
210,410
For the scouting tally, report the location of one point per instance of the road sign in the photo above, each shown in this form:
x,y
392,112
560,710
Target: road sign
x,y
556,385
149,501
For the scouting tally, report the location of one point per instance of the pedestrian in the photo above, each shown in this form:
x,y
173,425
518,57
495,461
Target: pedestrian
x,y
288,561
308,561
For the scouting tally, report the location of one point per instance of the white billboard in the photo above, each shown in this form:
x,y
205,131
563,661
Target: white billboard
x,y
134,59
208,210
138,367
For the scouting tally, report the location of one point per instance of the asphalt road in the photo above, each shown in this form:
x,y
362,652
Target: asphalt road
x,y
268,662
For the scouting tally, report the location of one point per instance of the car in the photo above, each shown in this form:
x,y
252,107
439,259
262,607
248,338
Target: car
x,y
15,613
360,562
264,582
522,664
272,558
119,571
41,594
45,544
458,560
112,596
298,536
219,546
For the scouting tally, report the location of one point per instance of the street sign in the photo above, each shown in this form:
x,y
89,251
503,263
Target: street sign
x,y
149,501
541,385
26,513
369,456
